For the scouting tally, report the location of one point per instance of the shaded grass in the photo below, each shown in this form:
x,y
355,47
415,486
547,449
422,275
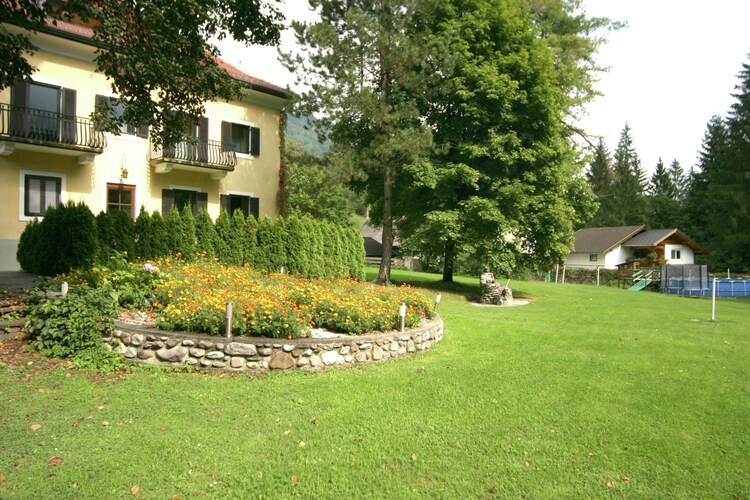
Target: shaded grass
x,y
586,392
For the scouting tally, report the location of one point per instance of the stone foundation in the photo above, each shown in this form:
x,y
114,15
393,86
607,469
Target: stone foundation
x,y
254,354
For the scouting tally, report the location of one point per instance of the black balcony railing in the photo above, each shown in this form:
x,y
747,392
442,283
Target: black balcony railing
x,y
50,129
202,152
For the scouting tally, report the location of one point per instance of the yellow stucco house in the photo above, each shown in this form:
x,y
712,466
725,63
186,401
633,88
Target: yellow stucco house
x,y
51,152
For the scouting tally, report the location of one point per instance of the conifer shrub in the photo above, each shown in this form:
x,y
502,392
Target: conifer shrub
x,y
143,234
237,239
205,235
29,245
124,227
221,226
105,226
176,240
265,238
187,220
160,234
251,240
66,238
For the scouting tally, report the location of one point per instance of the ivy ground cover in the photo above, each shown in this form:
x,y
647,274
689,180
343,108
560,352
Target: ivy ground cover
x,y
194,296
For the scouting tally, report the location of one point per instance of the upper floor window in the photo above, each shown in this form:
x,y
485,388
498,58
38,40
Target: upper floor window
x,y
246,138
676,255
42,112
113,109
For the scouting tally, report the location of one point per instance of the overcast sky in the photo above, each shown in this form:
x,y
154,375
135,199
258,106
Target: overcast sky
x,y
672,68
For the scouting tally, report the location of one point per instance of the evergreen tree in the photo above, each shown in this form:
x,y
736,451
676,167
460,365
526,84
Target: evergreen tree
x,y
235,255
144,237
661,182
223,237
161,236
205,235
601,176
187,220
680,181
176,236
105,229
251,241
663,205
630,183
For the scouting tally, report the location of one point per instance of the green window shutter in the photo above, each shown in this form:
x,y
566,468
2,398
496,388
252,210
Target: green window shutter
x,y
224,203
255,141
255,207
167,200
201,201
226,133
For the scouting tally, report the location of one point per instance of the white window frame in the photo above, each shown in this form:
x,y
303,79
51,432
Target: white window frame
x,y
245,156
22,191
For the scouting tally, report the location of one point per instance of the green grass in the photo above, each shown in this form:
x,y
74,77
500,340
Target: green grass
x,y
585,392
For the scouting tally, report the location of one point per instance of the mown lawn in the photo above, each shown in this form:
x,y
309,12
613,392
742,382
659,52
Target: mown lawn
x,y
586,392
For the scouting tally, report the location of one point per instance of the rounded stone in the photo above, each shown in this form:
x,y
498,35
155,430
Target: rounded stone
x,y
197,352
215,355
239,349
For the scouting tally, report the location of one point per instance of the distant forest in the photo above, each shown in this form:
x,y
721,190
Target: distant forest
x,y
306,138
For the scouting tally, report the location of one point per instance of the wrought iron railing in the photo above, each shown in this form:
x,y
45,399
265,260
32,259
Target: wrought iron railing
x,y
44,127
213,154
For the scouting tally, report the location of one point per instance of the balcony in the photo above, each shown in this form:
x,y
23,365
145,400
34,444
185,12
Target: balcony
x,y
201,155
43,131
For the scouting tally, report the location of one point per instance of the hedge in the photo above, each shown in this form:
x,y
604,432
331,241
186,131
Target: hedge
x,y
70,236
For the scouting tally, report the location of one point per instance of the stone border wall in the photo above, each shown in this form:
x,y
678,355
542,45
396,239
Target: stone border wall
x,y
255,354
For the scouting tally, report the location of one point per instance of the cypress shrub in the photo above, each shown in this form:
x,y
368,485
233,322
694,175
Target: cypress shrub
x,y
265,238
176,236
314,253
28,247
205,235
124,233
221,226
236,239
297,257
160,235
277,252
144,236
68,239
105,226
188,230
251,241
357,254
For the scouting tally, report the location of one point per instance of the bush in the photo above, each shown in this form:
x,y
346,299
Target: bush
x,y
205,235
28,246
63,326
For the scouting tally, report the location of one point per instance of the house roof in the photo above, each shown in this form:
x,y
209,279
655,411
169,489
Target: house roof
x,y
655,237
603,239
85,34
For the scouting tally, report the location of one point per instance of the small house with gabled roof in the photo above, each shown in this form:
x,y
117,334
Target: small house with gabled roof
x,y
610,247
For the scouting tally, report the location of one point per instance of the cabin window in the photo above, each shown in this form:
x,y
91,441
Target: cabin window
x,y
676,255
593,257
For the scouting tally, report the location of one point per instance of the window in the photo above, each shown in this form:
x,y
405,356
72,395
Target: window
x,y
181,198
43,112
113,109
121,197
40,193
248,204
676,255
246,139
593,257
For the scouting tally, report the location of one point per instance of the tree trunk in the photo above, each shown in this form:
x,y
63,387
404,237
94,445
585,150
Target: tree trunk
x,y
448,257
384,275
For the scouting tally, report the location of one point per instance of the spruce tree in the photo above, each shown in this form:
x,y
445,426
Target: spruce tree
x,y
601,175
630,183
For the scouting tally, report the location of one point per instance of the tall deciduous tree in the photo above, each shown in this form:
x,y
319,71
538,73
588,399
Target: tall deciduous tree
x,y
366,62
156,54
500,186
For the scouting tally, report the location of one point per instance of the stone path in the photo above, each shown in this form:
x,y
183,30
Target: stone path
x,y
16,281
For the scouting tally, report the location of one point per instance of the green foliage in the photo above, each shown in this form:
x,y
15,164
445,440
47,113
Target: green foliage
x,y
66,238
132,283
237,235
28,246
222,237
205,235
250,244
177,240
99,359
62,326
116,232
188,230
161,234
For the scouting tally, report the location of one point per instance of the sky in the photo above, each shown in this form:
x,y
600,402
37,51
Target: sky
x,y
671,69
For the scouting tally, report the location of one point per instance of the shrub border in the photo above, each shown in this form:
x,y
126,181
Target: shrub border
x,y
254,354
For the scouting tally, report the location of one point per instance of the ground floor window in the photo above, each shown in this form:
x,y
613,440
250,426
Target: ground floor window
x,y
40,193
180,198
248,204
593,257
121,197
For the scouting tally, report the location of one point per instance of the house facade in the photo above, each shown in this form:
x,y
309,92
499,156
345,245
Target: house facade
x,y
52,152
610,247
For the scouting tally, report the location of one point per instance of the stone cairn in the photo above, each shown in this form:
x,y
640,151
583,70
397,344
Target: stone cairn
x,y
493,292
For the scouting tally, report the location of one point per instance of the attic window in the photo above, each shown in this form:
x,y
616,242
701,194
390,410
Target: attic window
x,y
676,255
